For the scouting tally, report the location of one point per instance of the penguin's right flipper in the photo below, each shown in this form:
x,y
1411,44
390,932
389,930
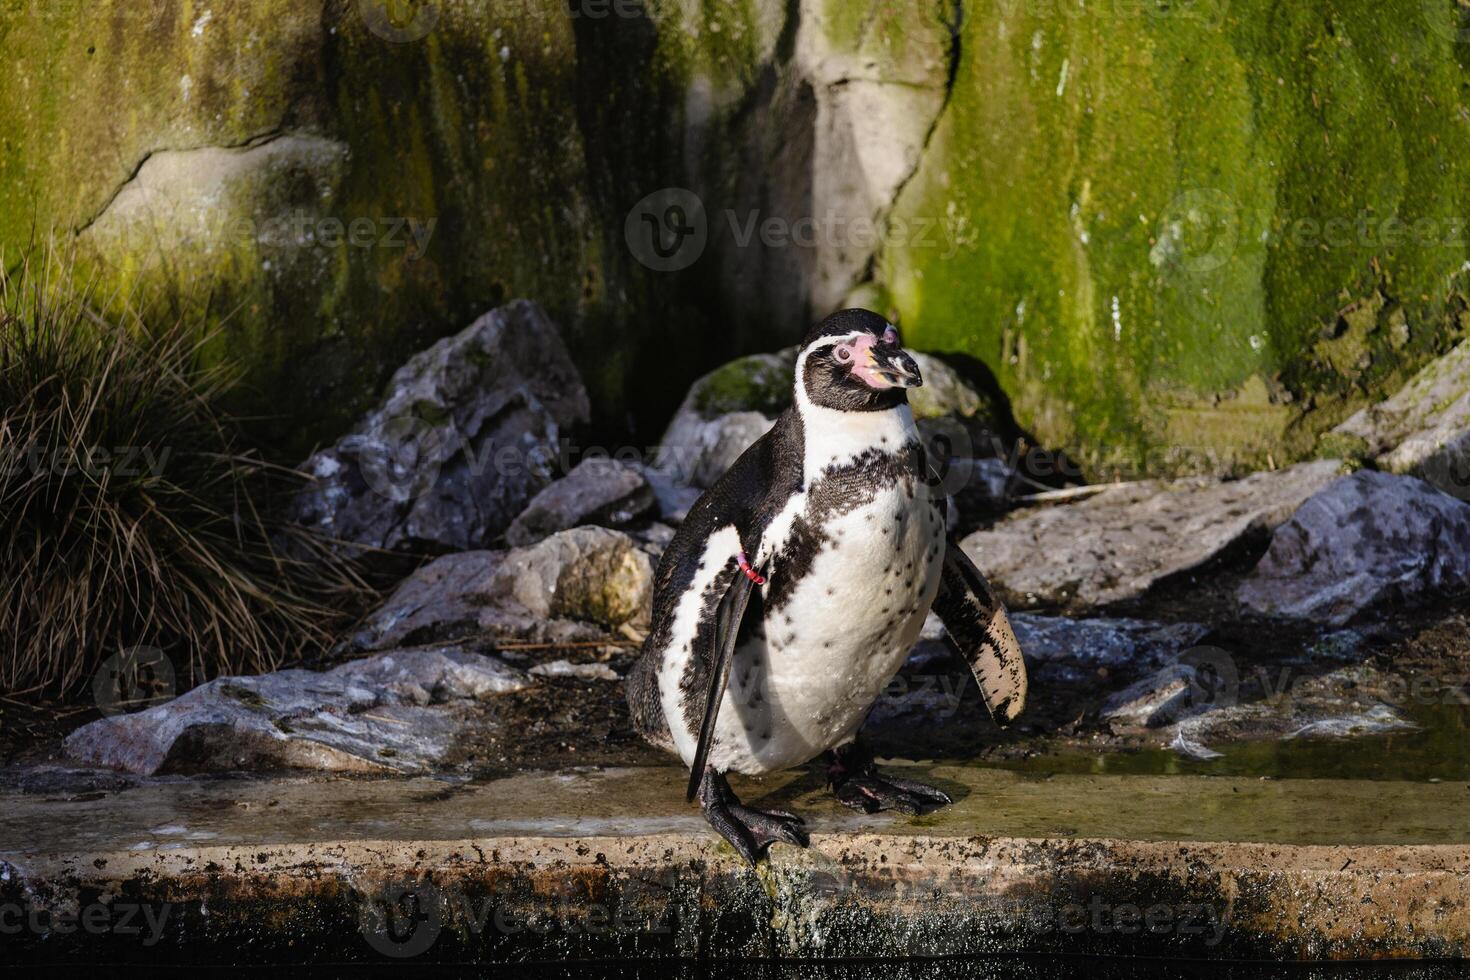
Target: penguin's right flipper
x,y
727,626
976,621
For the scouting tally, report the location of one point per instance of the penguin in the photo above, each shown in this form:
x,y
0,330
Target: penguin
x,y
797,585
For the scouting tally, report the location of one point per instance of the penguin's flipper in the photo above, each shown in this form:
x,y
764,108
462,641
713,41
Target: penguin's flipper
x,y
727,626
977,623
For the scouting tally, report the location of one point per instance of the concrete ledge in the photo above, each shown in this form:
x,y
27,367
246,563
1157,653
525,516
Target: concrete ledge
x,y
611,865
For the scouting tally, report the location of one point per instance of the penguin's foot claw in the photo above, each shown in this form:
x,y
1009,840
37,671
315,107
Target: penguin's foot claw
x,y
857,783
750,831
870,792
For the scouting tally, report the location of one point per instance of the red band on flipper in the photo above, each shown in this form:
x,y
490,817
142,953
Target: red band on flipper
x,y
750,573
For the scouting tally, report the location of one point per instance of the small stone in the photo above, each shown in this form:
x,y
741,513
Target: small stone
x,y
1367,540
603,492
465,436
1116,545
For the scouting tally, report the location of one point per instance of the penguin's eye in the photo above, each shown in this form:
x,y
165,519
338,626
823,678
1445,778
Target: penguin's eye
x,y
844,354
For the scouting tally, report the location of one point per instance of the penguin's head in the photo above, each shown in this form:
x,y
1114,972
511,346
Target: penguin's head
x,y
853,362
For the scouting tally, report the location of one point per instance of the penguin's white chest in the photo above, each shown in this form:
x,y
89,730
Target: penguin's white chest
x,y
862,581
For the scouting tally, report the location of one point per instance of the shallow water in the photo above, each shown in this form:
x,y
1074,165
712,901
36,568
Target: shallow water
x,y
1438,749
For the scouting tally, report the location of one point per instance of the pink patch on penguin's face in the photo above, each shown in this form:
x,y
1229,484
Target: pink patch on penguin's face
x,y
857,355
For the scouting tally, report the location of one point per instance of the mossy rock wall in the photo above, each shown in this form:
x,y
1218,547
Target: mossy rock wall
x,y
1193,235
336,183
1185,235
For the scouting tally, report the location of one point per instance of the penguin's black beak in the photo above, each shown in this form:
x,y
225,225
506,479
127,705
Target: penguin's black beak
x,y
891,367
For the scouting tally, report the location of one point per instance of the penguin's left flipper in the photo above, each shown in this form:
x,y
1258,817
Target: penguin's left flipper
x,y
727,626
976,621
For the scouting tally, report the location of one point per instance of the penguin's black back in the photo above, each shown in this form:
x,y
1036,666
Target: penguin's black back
x,y
750,494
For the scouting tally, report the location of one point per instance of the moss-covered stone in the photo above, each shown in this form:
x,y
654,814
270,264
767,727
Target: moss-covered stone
x,y
214,159
1153,215
759,383
1182,235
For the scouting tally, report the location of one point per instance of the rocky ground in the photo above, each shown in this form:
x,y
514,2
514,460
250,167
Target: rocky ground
x,y
1324,601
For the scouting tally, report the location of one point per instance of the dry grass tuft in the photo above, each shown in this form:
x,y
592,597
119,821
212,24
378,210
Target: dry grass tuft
x,y
129,512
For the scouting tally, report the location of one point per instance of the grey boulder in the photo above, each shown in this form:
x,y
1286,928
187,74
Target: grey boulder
x,y
1423,429
1072,648
1119,543
574,586
1365,540
400,711
467,433
597,491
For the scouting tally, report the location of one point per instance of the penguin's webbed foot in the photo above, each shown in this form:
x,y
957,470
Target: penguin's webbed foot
x,y
749,831
857,784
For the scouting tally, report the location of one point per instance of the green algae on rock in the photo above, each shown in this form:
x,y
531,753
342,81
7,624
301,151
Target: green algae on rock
x,y
1154,216
1186,236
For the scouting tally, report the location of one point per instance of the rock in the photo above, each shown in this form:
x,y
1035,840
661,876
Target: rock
x,y
1155,700
465,436
1423,429
1365,540
722,414
565,668
734,405
981,488
1075,648
866,135
572,587
1059,648
1377,720
1230,705
1198,242
879,81
674,498
399,711
653,538
1118,544
597,491
590,574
